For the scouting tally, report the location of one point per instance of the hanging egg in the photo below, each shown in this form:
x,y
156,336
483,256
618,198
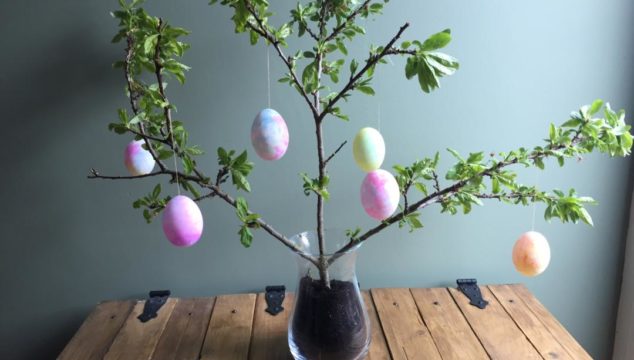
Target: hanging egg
x,y
182,221
138,160
531,253
368,149
379,194
269,135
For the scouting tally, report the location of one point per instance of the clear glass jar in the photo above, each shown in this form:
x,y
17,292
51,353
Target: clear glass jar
x,y
328,322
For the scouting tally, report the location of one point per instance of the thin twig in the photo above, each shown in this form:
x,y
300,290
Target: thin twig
x,y
335,152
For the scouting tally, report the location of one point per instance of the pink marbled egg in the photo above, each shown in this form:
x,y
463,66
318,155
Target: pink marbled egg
x,y
269,135
138,160
182,221
531,253
379,194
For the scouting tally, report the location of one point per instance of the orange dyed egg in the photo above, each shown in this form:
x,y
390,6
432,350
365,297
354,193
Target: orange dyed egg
x,y
531,254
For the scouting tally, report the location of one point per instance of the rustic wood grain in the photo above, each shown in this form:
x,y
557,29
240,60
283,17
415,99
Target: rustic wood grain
x,y
406,324
378,345
406,334
554,327
229,331
185,331
137,340
448,327
270,333
531,326
96,334
499,335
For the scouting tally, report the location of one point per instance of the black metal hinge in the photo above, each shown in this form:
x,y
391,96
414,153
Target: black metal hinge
x,y
157,299
274,298
470,288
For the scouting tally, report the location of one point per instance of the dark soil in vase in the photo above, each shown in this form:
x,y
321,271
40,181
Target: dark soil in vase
x,y
329,323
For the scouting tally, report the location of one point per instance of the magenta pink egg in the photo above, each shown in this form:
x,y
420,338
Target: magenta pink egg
x,y
269,135
379,194
138,160
182,221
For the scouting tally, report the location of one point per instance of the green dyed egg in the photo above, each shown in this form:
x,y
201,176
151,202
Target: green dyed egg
x,y
368,149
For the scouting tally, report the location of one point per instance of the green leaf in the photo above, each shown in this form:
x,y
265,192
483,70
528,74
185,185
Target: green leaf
x,y
411,67
437,41
253,37
242,208
455,154
585,216
552,133
366,90
240,181
157,191
149,44
246,237
595,107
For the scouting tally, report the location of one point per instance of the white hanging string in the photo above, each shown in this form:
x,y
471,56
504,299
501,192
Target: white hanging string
x,y
268,74
534,206
379,115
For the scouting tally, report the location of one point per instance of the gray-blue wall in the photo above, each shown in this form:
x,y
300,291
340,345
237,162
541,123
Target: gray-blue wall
x,y
68,242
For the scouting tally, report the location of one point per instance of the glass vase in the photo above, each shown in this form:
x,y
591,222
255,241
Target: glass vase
x,y
329,319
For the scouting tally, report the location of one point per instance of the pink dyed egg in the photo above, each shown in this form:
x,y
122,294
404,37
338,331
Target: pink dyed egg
x,y
531,253
138,160
182,221
379,194
269,135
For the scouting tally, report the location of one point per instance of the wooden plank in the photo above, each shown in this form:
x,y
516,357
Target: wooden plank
x,y
531,326
137,340
270,333
98,331
406,334
185,331
448,327
229,331
498,333
378,345
556,329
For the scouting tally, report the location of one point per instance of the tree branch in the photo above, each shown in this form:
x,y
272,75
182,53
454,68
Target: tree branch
x,y
335,152
261,29
438,195
370,62
216,191
158,68
134,95
337,30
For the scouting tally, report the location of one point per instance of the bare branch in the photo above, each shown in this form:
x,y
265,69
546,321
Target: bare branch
x,y
335,152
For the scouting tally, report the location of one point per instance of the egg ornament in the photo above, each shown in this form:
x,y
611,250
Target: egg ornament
x,y
137,160
269,135
531,253
379,194
368,149
182,221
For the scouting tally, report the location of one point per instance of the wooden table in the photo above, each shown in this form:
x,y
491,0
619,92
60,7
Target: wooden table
x,y
409,324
